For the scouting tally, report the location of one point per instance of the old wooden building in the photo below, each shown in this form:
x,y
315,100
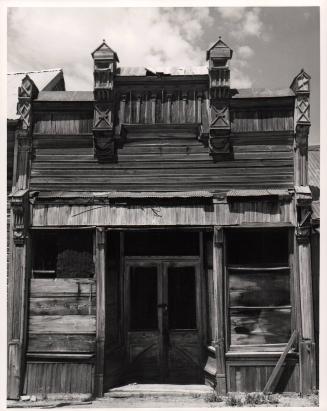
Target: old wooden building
x,y
160,233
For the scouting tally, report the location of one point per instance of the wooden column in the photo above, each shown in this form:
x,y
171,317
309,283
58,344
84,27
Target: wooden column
x,y
169,98
100,274
17,293
153,108
306,344
218,310
18,273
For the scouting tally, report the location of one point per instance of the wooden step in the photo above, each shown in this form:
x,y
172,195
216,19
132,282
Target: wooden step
x,y
158,390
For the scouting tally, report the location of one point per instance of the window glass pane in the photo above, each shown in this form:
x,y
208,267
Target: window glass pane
x,y
267,288
264,326
143,298
181,298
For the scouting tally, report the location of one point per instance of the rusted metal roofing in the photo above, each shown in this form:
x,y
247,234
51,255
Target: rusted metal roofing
x,y
125,194
160,70
262,93
65,96
41,78
314,166
257,192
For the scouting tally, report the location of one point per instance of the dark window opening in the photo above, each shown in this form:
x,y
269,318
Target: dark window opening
x,y
269,246
143,299
161,243
63,254
181,298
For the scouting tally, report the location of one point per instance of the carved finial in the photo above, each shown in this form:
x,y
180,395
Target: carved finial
x,y
219,37
103,40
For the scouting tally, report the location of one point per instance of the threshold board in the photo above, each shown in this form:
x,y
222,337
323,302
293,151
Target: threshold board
x,y
144,390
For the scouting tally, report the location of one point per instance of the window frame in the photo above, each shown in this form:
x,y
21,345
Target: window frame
x,y
275,347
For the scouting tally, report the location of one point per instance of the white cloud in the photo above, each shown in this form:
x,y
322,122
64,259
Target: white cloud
x,y
245,52
41,38
246,22
233,14
239,79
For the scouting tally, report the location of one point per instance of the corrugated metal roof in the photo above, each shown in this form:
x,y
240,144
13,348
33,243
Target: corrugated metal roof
x,y
65,96
262,92
14,80
125,194
314,166
257,192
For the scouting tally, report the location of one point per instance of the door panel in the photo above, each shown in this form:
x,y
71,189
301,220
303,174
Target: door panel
x,y
184,326
143,337
163,325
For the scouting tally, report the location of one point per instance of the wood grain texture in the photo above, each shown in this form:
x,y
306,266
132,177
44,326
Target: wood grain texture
x,y
252,375
134,215
62,305
61,343
62,287
58,377
62,324
161,160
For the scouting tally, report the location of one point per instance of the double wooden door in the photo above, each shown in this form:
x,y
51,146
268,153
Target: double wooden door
x,y
163,327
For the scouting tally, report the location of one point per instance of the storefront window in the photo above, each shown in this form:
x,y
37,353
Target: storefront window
x,y
258,280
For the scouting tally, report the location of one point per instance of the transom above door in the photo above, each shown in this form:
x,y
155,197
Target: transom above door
x,y
163,327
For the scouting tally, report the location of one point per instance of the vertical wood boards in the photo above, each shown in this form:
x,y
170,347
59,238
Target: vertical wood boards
x,y
273,379
251,375
100,273
172,215
45,377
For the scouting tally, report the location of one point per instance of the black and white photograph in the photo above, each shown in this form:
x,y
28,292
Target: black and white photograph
x,y
162,206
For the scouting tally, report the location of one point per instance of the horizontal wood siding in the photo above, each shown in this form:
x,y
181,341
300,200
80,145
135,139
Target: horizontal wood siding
x,y
246,377
157,161
61,329
58,377
133,215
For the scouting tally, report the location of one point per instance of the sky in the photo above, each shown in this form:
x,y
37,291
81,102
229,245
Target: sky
x,y
271,44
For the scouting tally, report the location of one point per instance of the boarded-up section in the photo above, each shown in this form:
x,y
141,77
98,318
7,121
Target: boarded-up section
x,y
252,374
62,306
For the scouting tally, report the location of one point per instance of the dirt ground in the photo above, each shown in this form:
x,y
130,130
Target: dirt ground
x,y
291,400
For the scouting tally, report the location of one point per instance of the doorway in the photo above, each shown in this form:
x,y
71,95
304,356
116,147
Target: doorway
x,y
163,326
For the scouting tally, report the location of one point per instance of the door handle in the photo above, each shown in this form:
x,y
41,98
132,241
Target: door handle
x,y
164,306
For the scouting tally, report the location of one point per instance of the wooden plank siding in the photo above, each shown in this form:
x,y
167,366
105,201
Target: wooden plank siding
x,y
252,375
163,160
61,336
256,211
58,377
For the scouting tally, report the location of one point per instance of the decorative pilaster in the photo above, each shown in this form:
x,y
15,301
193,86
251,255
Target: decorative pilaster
x,y
217,368
19,268
301,87
219,94
100,274
306,344
105,64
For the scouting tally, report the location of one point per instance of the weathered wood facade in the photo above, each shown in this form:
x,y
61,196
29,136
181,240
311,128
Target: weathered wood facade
x,y
161,233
